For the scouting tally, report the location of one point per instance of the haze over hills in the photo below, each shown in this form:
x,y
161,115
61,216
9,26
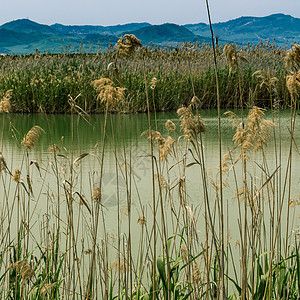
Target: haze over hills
x,y
25,36
284,28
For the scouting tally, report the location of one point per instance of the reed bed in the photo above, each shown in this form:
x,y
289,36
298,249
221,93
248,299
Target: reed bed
x,y
183,249
42,82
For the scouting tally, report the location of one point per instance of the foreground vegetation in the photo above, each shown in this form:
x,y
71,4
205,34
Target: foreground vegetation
x,y
183,251
42,82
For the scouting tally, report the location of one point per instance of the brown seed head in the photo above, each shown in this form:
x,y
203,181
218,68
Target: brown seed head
x,y
166,148
17,175
153,83
27,272
141,220
292,58
293,84
46,289
29,141
170,126
88,251
127,44
96,196
5,102
191,124
108,93
233,56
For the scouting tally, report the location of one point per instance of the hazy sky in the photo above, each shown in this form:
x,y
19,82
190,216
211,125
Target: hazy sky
x,y
111,12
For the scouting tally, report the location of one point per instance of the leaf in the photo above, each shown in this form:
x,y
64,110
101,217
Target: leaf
x,y
298,265
194,156
83,202
259,294
81,156
34,162
191,164
161,270
235,284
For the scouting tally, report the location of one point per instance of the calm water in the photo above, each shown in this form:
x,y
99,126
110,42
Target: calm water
x,y
87,138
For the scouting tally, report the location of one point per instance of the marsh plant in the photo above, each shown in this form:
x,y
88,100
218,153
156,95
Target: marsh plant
x,y
184,248
43,82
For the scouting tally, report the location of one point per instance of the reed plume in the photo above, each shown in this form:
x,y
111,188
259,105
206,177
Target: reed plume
x,y
170,126
141,220
127,44
17,175
5,105
293,84
266,79
31,138
190,124
153,83
108,93
292,58
233,56
164,145
96,196
252,134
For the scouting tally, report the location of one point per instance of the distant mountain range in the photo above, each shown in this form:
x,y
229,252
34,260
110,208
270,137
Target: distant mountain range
x,y
24,36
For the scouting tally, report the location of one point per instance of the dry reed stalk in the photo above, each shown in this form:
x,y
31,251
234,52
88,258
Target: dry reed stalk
x,y
292,61
111,96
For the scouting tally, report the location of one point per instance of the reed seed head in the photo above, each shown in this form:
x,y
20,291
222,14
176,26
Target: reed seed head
x,y
31,138
88,251
292,58
127,44
141,220
108,93
293,84
190,124
166,148
27,272
153,83
170,126
46,289
5,102
17,175
266,79
233,56
96,196
254,133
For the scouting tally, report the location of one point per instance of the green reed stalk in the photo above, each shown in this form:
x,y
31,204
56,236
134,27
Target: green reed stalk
x,y
222,268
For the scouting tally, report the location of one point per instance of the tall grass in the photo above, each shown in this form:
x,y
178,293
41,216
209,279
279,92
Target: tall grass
x,y
44,81
55,240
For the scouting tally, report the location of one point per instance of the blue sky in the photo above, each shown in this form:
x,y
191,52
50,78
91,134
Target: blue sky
x,y
111,12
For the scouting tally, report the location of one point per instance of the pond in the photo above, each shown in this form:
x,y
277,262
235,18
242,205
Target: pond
x,y
41,199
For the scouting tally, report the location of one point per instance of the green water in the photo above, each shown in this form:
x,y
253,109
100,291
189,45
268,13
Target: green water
x,y
75,136
123,140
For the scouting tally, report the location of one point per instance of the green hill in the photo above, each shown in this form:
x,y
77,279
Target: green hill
x,y
10,38
25,36
28,26
166,33
96,29
284,28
